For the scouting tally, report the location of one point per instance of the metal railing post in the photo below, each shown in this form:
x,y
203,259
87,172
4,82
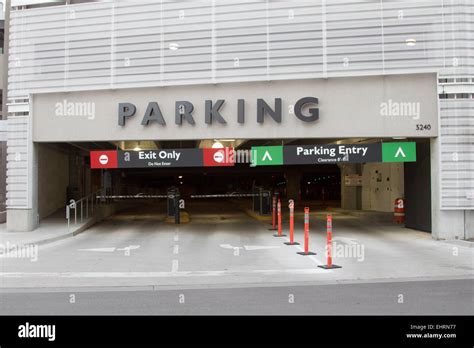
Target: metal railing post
x,y
88,205
68,217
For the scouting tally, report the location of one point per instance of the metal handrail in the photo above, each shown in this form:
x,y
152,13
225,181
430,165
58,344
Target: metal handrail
x,y
226,195
89,201
137,196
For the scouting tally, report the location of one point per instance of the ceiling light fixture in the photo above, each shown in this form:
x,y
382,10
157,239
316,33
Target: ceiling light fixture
x,y
173,46
217,145
410,42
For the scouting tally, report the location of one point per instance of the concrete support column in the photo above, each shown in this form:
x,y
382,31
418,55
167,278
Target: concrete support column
x,y
469,224
3,186
3,116
22,220
26,218
293,185
350,195
446,224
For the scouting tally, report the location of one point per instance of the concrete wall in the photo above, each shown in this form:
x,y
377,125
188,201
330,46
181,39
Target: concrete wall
x,y
3,172
382,183
346,107
53,179
22,188
293,185
350,197
2,64
469,224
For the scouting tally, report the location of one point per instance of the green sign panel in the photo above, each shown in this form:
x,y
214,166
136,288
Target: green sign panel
x,y
267,155
399,152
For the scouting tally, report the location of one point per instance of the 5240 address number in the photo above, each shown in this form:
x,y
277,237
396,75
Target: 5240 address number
x,y
423,127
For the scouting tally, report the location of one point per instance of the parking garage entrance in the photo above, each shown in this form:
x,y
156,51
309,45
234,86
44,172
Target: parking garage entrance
x,y
348,143
348,175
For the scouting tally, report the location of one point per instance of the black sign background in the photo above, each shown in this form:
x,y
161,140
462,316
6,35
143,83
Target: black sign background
x,y
332,154
160,158
315,154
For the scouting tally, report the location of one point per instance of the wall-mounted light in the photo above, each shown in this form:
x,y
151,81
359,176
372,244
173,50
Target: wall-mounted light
x,y
173,46
217,145
410,42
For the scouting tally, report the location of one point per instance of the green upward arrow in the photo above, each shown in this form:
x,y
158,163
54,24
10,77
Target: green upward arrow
x,y
267,155
399,152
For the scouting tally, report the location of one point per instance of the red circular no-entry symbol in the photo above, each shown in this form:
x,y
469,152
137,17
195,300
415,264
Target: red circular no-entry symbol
x,y
104,159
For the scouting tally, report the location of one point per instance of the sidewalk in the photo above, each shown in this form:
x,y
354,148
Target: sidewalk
x,y
53,228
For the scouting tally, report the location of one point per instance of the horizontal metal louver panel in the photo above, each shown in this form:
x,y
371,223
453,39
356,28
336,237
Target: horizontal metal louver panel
x,y
457,154
17,163
125,43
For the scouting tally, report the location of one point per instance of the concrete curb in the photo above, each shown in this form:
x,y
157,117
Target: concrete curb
x,y
166,287
459,242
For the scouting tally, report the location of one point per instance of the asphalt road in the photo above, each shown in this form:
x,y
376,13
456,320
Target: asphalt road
x,y
438,297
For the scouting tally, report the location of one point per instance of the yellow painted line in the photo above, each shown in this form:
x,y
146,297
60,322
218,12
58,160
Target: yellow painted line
x,y
184,218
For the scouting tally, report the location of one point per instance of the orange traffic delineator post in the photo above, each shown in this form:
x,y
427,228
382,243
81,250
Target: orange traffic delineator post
x,y
291,205
280,231
306,251
329,265
399,211
273,214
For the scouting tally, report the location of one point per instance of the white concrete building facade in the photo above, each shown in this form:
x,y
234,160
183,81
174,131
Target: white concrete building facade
x,y
357,57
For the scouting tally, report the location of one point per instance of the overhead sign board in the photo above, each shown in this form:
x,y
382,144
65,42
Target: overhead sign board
x,y
160,158
399,152
259,156
267,155
218,157
146,159
332,154
103,159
